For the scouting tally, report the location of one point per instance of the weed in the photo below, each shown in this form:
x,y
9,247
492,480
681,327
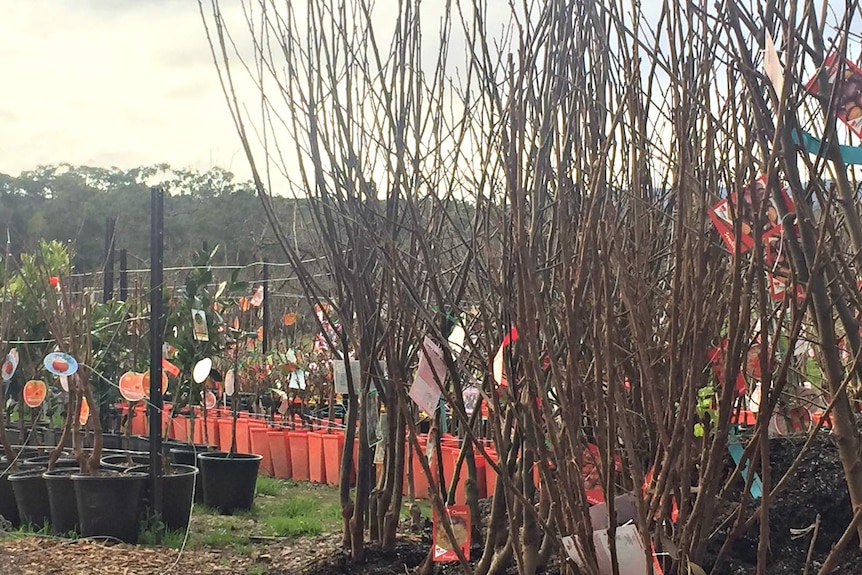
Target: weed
x,y
268,486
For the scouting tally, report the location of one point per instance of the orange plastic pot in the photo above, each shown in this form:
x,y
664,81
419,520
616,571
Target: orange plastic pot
x,y
490,473
450,458
199,429
260,446
316,467
278,452
286,439
333,449
212,430
421,486
224,433
179,429
243,439
139,420
298,443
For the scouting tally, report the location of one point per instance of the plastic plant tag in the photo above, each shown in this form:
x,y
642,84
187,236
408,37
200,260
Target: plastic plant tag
x,y
625,508
132,386
210,400
229,380
425,390
170,368
456,339
631,553
202,369
745,205
297,380
471,398
498,367
340,375
10,364
64,383
84,414
199,322
444,550
34,392
257,297
848,100
734,446
60,363
145,382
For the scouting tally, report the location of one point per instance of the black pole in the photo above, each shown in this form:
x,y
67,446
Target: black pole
x,y
124,275
265,342
157,246
108,277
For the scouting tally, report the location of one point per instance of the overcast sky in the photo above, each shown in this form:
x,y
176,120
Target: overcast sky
x,y
114,83
110,83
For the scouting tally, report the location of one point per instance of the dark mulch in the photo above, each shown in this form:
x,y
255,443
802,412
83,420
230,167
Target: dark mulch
x,y
818,487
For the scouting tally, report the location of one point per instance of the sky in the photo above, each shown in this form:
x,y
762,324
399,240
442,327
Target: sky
x,y
116,83
110,83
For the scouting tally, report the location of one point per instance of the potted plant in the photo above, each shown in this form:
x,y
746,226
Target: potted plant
x,y
229,477
108,503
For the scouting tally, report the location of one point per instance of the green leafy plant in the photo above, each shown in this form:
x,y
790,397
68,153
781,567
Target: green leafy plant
x,y
705,410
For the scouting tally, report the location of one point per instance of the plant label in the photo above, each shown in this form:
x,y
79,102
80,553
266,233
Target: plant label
x,y
430,376
631,552
297,379
625,509
60,363
848,99
84,414
229,381
202,370
132,386
257,297
34,393
444,548
199,322
744,207
339,375
498,369
10,364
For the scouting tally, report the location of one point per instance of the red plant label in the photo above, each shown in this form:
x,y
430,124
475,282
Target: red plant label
x,y
444,550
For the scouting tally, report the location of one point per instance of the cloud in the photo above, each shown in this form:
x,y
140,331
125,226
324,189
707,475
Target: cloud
x,y
110,83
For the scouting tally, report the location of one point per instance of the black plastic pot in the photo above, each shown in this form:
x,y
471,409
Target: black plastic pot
x,y
177,488
64,461
123,461
109,504
188,455
61,500
8,506
229,479
31,496
112,441
139,443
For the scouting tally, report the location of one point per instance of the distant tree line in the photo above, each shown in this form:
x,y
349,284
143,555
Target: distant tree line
x,y
74,203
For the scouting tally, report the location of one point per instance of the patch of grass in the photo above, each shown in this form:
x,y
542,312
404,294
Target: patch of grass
x,y
269,486
303,515
219,538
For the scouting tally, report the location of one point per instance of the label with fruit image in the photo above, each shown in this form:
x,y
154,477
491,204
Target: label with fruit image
x,y
34,392
459,519
60,363
10,364
848,92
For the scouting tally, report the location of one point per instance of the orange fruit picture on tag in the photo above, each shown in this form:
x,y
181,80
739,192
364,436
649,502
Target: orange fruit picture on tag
x,y
34,392
146,383
84,414
132,386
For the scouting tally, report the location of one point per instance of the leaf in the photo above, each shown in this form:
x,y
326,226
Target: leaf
x,y
698,430
695,569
